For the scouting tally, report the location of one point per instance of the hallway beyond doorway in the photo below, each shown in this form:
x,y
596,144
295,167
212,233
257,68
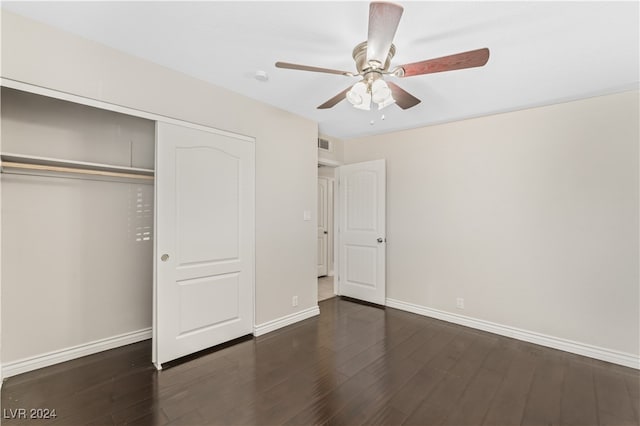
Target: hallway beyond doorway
x,y
325,288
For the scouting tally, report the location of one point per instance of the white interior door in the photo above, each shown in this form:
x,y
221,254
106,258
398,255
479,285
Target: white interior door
x,y
323,227
204,234
362,240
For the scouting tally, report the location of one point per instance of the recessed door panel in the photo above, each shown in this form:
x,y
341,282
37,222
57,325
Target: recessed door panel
x,y
322,256
208,302
202,193
361,265
362,191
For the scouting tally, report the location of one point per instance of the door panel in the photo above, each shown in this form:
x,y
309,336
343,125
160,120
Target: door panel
x,y
323,227
361,264
202,194
208,302
361,187
362,242
204,240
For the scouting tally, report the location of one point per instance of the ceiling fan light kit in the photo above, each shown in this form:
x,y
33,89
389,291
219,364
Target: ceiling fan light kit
x,y
373,60
363,93
359,96
380,92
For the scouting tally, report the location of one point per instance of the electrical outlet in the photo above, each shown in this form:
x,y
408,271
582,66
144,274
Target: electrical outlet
x,y
294,301
460,303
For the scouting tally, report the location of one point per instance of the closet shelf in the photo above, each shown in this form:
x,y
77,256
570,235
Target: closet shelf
x,y
19,162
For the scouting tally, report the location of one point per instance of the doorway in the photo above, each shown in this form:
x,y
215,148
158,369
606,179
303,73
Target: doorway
x,y
355,207
325,250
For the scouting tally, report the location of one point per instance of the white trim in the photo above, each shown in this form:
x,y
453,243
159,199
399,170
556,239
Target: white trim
x,y
44,360
284,321
82,100
332,223
328,162
336,232
604,354
156,254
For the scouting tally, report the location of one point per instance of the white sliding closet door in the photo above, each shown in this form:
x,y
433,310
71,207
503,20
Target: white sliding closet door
x,y
204,258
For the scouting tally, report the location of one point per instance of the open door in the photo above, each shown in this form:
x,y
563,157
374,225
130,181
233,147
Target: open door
x,y
204,239
361,233
323,227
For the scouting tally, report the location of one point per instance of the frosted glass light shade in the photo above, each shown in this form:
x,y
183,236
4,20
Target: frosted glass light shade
x,y
386,103
380,91
354,98
359,96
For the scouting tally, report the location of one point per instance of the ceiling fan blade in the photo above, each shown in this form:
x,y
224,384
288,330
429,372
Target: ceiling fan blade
x,y
337,98
404,99
310,68
383,23
470,59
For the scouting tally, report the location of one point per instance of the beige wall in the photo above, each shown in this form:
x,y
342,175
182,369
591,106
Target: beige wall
x,y
73,250
530,216
328,172
286,144
336,152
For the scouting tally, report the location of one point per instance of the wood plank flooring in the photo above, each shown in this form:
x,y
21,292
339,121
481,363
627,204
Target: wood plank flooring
x,y
352,365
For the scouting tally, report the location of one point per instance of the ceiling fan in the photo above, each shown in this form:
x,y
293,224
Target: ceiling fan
x,y
373,58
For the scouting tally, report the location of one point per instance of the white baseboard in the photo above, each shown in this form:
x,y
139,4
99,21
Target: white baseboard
x,y
284,321
44,360
604,354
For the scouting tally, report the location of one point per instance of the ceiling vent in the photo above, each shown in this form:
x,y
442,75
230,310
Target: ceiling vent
x,y
324,144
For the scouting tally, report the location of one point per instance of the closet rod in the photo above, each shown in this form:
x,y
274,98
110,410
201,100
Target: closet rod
x,y
47,168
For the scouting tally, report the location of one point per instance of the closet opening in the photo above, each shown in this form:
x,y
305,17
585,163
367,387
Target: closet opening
x,y
77,194
118,226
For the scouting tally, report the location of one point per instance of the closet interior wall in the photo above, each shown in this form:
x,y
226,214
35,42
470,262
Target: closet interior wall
x,y
76,251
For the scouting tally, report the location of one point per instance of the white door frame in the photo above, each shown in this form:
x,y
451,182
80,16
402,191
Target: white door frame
x,y
334,232
332,224
336,238
336,220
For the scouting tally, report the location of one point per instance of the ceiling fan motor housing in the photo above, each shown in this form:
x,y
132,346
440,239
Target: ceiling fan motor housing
x,y
364,67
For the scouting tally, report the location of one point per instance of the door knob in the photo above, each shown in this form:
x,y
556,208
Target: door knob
x,y
325,232
380,240
164,257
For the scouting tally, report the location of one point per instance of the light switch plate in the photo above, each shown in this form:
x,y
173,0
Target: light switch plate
x,y
306,215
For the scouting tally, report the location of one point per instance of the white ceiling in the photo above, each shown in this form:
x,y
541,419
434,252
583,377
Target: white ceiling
x,y
541,52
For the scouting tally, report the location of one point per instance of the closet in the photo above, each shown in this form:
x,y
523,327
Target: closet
x,y
79,250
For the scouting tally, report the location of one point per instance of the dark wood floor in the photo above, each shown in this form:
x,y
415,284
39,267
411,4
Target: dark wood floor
x,y
354,364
